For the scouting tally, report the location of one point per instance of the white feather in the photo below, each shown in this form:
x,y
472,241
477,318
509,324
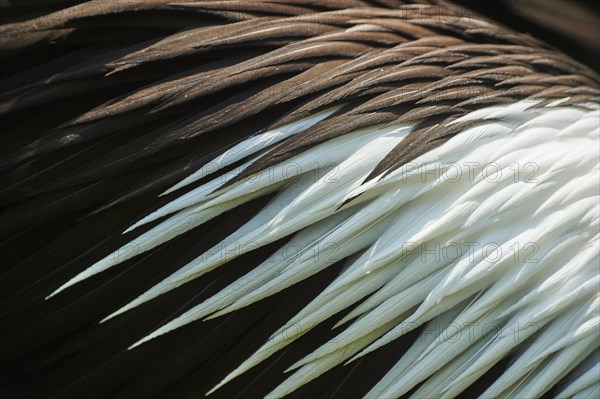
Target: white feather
x,y
515,199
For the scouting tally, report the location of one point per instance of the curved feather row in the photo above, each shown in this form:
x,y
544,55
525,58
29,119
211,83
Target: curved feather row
x,y
469,238
450,163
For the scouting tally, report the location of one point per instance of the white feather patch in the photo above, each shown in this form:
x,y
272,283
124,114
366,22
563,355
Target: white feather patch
x,y
490,239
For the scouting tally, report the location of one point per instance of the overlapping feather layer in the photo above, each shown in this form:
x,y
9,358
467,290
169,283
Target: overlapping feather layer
x,y
489,240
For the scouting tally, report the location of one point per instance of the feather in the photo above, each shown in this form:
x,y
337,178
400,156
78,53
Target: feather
x,y
417,174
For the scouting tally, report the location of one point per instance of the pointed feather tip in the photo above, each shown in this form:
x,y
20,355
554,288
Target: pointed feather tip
x,y
118,312
134,226
53,294
180,321
173,188
186,181
365,186
152,217
229,377
107,205
296,365
292,367
214,389
343,321
346,202
140,300
120,66
157,333
219,313
63,287
360,354
353,195
138,343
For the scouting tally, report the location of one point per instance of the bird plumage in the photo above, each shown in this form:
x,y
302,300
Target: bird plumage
x,y
447,164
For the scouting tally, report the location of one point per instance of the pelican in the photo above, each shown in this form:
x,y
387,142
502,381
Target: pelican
x,y
349,198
